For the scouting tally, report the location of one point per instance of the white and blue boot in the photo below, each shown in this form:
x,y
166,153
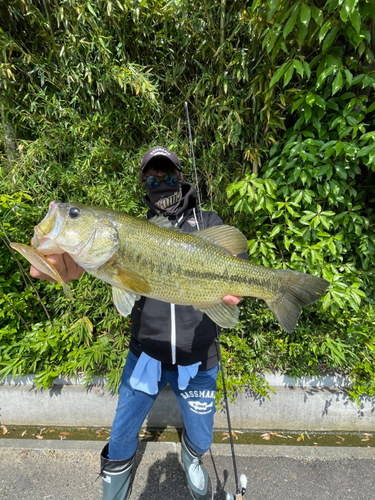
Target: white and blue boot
x,y
199,482
116,476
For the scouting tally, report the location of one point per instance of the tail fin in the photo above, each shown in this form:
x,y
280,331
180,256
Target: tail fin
x,y
299,290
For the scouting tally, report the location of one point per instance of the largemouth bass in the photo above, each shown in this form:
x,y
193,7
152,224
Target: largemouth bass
x,y
154,259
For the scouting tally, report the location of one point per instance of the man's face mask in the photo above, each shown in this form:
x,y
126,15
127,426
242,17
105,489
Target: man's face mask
x,y
163,189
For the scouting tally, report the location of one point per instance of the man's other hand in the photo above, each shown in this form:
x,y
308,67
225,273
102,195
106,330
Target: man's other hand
x,y
231,300
65,266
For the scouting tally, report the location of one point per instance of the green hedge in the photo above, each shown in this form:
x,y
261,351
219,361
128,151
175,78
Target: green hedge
x,y
281,97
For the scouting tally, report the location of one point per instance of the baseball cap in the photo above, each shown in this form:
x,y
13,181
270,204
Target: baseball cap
x,y
157,152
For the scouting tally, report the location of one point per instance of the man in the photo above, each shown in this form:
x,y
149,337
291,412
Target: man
x,y
170,344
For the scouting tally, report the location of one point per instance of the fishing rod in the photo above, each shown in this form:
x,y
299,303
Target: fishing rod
x,y
192,156
240,491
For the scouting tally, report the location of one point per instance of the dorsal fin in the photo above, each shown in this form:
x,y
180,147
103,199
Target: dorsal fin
x,y
228,237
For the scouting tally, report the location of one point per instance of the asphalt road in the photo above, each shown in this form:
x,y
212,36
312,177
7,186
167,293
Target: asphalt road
x,y
62,470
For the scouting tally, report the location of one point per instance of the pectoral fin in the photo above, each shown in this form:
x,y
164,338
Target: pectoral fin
x,y
222,314
133,281
124,300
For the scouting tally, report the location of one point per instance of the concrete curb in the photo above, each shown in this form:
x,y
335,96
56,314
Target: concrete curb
x,y
242,450
312,404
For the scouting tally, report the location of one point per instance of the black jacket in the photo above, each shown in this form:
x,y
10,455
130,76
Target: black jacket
x,y
174,334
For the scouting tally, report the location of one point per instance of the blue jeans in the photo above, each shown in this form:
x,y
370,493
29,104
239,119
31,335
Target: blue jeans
x,y
197,404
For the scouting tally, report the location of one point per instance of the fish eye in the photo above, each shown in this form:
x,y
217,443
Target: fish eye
x,y
74,212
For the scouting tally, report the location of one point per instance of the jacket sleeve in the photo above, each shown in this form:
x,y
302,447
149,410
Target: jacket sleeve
x,y
211,219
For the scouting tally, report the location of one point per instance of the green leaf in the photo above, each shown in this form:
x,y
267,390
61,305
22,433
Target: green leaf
x,y
275,230
323,169
329,39
272,8
279,73
350,5
349,76
337,83
357,79
344,13
307,113
89,6
299,67
301,34
326,302
351,120
288,75
368,135
298,197
341,171
256,4
366,150
329,152
325,74
252,246
307,69
320,101
355,19
324,30
290,23
368,81
310,98
338,147
331,246
263,248
287,242
326,222
317,15
305,14
297,104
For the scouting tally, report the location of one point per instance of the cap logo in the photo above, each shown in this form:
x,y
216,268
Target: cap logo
x,y
160,151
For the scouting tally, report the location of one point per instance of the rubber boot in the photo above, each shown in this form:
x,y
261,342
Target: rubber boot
x,y
116,476
199,481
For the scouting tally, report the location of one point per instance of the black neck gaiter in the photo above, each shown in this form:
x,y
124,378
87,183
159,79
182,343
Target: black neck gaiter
x,y
165,198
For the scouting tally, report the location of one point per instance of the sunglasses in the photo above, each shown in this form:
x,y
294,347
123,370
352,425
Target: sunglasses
x,y
153,181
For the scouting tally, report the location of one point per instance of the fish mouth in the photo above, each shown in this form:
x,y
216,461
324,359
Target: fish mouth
x,y
48,229
48,223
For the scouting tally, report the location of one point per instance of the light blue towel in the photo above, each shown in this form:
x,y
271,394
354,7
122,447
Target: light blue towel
x,y
185,373
147,374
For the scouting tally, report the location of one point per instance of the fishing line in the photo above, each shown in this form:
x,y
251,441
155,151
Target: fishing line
x,y
8,242
243,480
4,219
24,274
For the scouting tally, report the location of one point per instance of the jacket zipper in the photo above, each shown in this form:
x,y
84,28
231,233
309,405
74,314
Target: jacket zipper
x,y
173,310
173,333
